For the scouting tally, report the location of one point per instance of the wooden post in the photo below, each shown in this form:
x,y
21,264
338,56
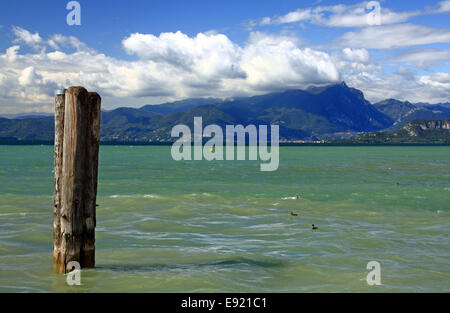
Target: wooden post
x,y
59,136
76,166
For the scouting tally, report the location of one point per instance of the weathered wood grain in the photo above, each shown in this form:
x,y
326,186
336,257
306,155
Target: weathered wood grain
x,y
89,218
58,155
78,191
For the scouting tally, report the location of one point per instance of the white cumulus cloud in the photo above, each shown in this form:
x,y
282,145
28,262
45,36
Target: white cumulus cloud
x,y
274,63
169,66
29,76
359,55
173,66
26,37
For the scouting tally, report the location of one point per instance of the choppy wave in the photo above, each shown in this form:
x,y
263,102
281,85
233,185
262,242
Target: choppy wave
x,y
290,198
151,196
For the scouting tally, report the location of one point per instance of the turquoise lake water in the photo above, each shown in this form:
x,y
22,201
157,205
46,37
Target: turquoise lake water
x,y
224,226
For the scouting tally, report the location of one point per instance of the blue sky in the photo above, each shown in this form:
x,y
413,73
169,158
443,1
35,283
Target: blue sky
x,y
139,52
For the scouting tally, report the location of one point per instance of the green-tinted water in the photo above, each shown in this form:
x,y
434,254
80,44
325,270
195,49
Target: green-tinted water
x,y
166,226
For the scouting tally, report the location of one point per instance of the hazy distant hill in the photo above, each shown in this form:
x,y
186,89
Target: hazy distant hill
x,y
21,116
28,129
418,131
180,106
335,111
402,112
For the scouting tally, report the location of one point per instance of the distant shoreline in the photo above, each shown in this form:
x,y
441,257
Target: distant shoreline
x,y
284,144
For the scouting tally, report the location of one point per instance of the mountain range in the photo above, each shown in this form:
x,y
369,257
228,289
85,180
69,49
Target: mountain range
x,y
331,112
404,112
